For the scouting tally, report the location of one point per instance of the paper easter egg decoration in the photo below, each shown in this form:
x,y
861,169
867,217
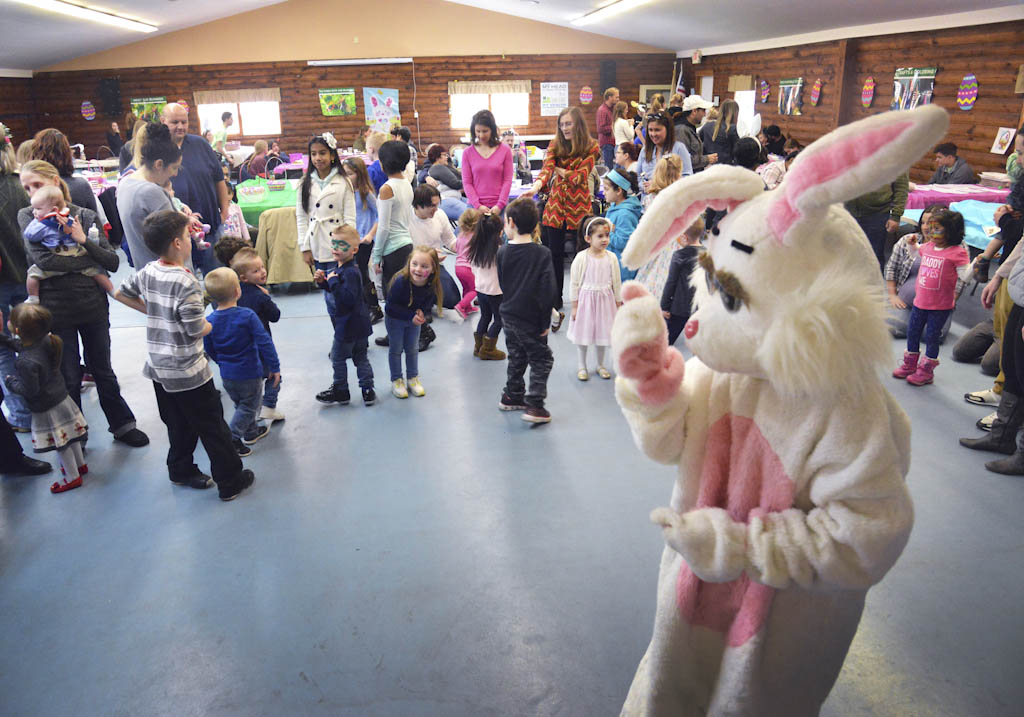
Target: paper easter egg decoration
x,y
88,111
816,91
868,93
184,104
967,95
586,95
765,91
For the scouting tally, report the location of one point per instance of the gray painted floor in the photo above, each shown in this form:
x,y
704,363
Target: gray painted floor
x,y
437,557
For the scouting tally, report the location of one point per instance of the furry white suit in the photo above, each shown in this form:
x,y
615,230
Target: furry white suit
x,y
791,499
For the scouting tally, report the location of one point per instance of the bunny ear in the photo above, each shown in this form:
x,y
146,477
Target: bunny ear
x,y
678,206
852,161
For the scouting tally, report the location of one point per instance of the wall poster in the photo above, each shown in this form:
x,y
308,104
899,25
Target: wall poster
x,y
148,108
381,107
554,97
338,102
789,96
912,87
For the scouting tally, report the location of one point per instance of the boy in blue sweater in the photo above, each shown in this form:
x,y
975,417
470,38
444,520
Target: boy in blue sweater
x,y
253,275
352,325
245,353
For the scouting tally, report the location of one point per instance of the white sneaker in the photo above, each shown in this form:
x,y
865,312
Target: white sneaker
x,y
988,397
416,388
271,414
398,389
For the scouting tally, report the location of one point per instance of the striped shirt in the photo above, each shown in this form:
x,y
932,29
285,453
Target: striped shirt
x,y
174,307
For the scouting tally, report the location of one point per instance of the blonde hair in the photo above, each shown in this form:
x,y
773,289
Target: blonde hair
x,y
24,152
435,274
348,231
8,162
657,103
676,100
244,260
376,140
468,220
668,170
47,171
222,284
730,110
620,110
695,230
259,146
49,194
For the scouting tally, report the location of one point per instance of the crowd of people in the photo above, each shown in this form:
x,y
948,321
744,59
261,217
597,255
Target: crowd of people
x,y
380,231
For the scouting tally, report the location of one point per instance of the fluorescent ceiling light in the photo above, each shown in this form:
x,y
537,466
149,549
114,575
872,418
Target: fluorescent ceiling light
x,y
84,13
364,61
607,11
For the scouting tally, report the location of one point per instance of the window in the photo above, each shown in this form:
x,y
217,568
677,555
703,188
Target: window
x,y
251,118
510,109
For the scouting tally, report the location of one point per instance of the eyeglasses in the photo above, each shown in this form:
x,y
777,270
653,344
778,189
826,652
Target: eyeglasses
x,y
656,115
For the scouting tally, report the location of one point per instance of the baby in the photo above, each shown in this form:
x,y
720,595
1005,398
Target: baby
x,y
47,232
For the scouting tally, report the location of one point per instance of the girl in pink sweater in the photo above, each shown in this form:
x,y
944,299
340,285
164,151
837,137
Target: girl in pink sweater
x,y
463,269
486,166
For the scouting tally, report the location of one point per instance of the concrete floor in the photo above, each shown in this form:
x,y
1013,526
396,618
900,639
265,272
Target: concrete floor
x,y
437,557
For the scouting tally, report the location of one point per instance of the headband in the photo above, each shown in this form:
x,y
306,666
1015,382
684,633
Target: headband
x,y
586,229
618,179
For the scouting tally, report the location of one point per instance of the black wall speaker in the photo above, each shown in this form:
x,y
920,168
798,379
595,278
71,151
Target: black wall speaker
x,y
110,97
607,75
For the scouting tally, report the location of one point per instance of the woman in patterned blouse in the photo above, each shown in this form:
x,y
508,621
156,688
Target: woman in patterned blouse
x,y
567,167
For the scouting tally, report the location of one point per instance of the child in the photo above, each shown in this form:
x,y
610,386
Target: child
x,y
253,274
527,280
654,273
234,225
482,252
412,293
186,397
595,294
620,189
245,352
352,324
50,228
366,224
677,297
196,229
463,269
57,424
943,261
393,243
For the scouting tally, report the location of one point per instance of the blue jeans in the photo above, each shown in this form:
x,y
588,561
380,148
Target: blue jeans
x,y
12,294
357,351
96,347
453,208
929,322
270,392
205,259
403,335
245,394
608,155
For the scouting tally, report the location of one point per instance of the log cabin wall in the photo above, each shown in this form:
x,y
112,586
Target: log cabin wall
x,y
59,94
17,107
992,52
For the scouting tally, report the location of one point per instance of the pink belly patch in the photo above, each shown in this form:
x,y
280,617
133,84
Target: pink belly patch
x,y
743,475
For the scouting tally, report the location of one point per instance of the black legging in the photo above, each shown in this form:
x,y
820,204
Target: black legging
x,y
363,260
1012,357
554,239
393,263
490,308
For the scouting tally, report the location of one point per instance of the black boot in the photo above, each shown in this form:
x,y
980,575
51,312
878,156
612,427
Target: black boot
x,y
1002,437
1011,465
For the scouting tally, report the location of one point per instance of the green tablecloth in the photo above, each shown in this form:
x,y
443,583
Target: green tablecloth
x,y
253,207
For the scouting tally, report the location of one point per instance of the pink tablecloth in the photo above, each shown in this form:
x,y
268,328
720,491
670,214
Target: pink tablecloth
x,y
927,194
301,164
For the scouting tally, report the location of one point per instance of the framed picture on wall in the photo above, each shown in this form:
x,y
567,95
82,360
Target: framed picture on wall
x,y
649,91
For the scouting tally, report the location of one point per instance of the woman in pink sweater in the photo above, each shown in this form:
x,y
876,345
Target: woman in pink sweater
x,y
486,166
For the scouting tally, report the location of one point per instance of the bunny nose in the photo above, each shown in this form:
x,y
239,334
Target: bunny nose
x,y
690,330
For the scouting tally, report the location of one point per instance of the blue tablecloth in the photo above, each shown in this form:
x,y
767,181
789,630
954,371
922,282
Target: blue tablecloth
x,y
977,215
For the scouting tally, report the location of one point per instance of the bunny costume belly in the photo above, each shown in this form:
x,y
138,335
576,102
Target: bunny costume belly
x,y
789,512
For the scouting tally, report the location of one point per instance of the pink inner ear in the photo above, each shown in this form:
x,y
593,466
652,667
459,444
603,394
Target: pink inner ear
x,y
681,223
824,166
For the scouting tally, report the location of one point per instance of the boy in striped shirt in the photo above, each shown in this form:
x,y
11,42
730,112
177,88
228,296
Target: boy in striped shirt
x,y
188,401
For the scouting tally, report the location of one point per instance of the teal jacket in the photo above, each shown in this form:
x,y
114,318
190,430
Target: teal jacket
x,y
625,217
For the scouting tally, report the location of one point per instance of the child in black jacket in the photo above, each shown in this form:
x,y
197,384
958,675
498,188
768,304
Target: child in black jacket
x,y
677,296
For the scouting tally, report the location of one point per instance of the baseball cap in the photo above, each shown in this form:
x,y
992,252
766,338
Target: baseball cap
x,y
696,102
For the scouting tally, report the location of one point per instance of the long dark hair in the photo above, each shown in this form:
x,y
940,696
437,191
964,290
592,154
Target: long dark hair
x,y
306,180
670,135
483,246
362,184
485,118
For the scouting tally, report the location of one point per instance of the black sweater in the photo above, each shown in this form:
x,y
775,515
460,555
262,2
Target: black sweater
x,y
527,281
37,376
677,297
12,246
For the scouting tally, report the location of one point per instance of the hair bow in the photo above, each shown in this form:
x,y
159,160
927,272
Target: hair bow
x,y
329,139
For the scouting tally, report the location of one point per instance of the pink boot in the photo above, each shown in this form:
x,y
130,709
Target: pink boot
x,y
924,372
908,366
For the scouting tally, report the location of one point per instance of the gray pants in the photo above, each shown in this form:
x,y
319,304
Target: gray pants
x,y
526,347
979,344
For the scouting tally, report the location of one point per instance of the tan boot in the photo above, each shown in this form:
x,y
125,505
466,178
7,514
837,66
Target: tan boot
x,y
488,352
478,339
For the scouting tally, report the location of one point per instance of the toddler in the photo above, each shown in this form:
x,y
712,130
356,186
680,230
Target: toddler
x,y
197,230
677,298
50,230
463,269
253,275
352,325
57,423
245,352
595,294
413,291
943,261
482,254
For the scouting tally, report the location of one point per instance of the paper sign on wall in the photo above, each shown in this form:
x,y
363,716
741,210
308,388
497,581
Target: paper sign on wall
x,y
381,107
338,102
1004,138
789,96
148,108
912,87
554,97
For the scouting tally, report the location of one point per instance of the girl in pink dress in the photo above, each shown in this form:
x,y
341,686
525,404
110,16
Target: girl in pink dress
x,y
594,292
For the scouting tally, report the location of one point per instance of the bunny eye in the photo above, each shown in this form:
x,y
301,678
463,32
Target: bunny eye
x,y
731,303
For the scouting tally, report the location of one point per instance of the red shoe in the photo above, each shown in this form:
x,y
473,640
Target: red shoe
x,y
924,373
908,366
66,486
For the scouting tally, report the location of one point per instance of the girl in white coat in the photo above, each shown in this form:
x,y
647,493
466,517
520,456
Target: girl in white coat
x,y
325,201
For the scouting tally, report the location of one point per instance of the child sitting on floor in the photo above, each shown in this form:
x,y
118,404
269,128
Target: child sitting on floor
x,y
50,229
